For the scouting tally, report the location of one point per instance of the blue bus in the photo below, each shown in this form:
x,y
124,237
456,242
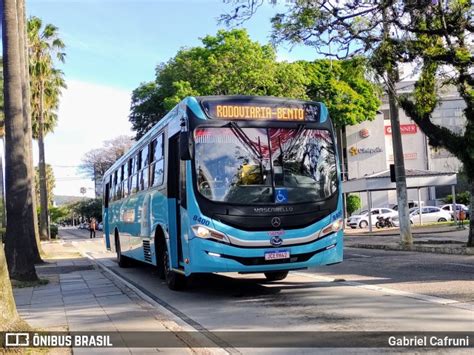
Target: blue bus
x,y
243,184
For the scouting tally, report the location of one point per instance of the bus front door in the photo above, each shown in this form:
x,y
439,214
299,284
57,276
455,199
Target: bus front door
x,y
174,165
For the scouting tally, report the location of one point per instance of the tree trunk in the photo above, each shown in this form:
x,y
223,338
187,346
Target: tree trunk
x,y
470,240
18,241
8,313
401,183
36,250
44,230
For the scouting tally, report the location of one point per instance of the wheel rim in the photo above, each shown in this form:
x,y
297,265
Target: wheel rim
x,y
363,224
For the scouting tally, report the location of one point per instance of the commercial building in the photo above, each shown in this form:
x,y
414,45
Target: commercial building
x,y
367,147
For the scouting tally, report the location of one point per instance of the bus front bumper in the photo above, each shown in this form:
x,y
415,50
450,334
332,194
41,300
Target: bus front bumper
x,y
209,256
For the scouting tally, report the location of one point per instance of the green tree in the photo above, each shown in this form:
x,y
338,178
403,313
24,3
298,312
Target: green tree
x,y
343,86
231,63
353,203
59,214
46,85
462,197
228,63
90,208
50,184
433,34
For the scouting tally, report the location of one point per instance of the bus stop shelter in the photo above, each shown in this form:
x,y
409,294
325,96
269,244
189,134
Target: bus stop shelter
x,y
416,179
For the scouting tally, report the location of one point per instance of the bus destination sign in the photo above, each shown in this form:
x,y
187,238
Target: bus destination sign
x,y
261,111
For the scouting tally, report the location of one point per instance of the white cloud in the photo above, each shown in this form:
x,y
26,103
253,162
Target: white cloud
x,y
88,115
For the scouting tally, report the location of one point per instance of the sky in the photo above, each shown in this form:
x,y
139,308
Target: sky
x,y
111,47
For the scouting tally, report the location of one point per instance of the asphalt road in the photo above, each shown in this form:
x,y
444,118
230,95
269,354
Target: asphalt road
x,y
370,291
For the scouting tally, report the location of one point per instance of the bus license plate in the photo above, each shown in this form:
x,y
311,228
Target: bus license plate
x,y
277,254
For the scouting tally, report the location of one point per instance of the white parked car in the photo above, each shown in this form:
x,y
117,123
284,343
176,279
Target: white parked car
x,y
361,220
429,214
459,207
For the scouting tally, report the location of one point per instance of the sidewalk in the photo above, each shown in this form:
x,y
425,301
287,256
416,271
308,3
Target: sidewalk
x,y
432,239
82,297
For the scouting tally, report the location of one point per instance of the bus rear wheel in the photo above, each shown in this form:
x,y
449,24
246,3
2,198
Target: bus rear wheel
x,y
122,260
160,246
276,275
174,280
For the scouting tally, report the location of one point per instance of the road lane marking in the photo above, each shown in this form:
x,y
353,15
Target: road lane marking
x,y
360,255
391,291
459,264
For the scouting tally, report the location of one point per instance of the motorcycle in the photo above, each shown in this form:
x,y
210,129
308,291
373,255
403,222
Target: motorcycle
x,y
383,222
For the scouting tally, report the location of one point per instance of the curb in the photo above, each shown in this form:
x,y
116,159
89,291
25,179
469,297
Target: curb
x,y
378,233
182,326
415,248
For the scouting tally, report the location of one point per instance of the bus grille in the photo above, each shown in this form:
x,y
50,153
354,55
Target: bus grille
x,y
147,250
297,258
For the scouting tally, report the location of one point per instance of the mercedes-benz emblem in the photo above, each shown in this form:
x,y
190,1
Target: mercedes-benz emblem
x,y
276,222
276,241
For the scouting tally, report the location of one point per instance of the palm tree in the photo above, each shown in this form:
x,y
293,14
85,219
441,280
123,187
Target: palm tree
x,y
18,241
46,84
32,210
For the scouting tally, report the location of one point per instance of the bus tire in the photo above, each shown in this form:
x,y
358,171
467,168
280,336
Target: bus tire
x,y
276,275
174,280
160,246
122,260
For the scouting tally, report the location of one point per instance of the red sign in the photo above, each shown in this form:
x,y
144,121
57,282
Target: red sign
x,y
410,128
364,133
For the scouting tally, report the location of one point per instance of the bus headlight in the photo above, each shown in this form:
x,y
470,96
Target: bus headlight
x,y
331,228
203,232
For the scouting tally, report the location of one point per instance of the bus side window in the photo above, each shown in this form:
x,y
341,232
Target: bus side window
x,y
131,170
143,175
122,182
106,195
115,194
111,191
132,178
157,165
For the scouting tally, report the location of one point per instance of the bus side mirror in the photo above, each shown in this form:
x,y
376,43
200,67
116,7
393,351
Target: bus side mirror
x,y
184,149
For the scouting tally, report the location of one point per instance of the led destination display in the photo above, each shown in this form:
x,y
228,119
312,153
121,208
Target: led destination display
x,y
245,110
258,112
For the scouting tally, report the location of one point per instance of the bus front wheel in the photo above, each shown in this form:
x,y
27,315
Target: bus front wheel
x,y
276,275
174,280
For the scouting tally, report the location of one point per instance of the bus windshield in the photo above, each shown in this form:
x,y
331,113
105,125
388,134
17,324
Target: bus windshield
x,y
265,165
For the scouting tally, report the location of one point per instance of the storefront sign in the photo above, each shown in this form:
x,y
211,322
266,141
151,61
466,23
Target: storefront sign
x,y
406,156
355,151
410,128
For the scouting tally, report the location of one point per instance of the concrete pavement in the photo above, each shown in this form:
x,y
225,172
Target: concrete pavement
x,y
82,297
432,239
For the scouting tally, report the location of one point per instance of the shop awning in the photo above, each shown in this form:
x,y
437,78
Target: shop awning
x,y
415,179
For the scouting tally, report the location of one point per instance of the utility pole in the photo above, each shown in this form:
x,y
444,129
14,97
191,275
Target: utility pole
x,y
401,183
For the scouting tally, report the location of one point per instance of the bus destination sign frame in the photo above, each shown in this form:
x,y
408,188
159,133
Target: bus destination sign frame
x,y
261,110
